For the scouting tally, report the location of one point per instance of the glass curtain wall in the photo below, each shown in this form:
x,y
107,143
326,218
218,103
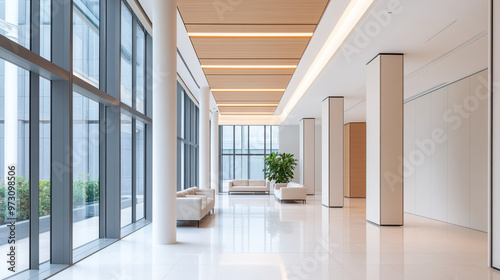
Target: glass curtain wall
x,y
243,149
29,107
187,140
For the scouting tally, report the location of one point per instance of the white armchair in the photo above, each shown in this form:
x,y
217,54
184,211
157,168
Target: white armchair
x,y
292,192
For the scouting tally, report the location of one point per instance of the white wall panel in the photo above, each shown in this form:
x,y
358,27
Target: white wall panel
x,y
450,127
458,154
307,154
409,170
422,156
289,143
439,158
478,107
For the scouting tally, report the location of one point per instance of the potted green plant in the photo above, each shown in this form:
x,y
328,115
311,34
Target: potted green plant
x,y
279,168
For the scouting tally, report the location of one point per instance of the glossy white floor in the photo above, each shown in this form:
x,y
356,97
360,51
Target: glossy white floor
x,y
256,237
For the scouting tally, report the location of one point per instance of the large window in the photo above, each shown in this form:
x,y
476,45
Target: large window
x,y
86,40
140,177
243,149
15,18
126,56
187,140
126,170
14,157
85,170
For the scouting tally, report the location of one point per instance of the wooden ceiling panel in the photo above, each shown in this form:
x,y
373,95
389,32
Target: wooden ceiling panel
x,y
238,28
248,81
250,47
226,61
247,97
249,71
251,11
240,110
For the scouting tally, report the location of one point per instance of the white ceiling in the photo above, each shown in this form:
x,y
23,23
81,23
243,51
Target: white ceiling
x,y
443,41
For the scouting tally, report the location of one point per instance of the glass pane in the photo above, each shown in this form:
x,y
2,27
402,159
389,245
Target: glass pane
x,y
126,170
140,76
256,167
15,18
44,201
276,139
126,56
256,135
237,139
227,139
45,33
241,167
268,139
141,168
14,153
227,170
85,170
86,40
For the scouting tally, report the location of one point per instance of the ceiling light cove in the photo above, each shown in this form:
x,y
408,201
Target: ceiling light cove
x,y
258,67
248,90
248,105
250,35
351,17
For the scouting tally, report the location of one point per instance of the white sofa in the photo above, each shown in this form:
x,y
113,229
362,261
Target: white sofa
x,y
194,204
291,192
248,186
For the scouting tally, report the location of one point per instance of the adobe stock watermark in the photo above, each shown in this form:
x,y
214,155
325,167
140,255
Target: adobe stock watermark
x,y
311,264
454,117
378,20
223,6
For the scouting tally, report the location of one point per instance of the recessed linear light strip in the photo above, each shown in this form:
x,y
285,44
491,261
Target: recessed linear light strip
x,y
246,113
249,66
248,105
248,90
350,18
250,34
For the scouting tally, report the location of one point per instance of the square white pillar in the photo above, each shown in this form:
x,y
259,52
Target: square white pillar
x,y
384,140
332,177
307,154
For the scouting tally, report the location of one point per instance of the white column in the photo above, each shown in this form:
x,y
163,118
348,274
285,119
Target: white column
x,y
11,90
384,140
332,152
214,151
204,138
307,154
164,121
494,72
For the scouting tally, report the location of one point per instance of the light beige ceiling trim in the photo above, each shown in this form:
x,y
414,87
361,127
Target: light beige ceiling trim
x,y
247,110
196,28
247,97
249,71
250,47
248,81
252,61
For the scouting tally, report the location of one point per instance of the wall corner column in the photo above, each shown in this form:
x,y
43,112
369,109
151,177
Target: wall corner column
x,y
332,177
214,152
384,139
204,138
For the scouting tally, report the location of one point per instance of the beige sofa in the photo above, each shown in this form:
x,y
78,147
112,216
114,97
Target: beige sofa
x,y
291,192
248,186
194,204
